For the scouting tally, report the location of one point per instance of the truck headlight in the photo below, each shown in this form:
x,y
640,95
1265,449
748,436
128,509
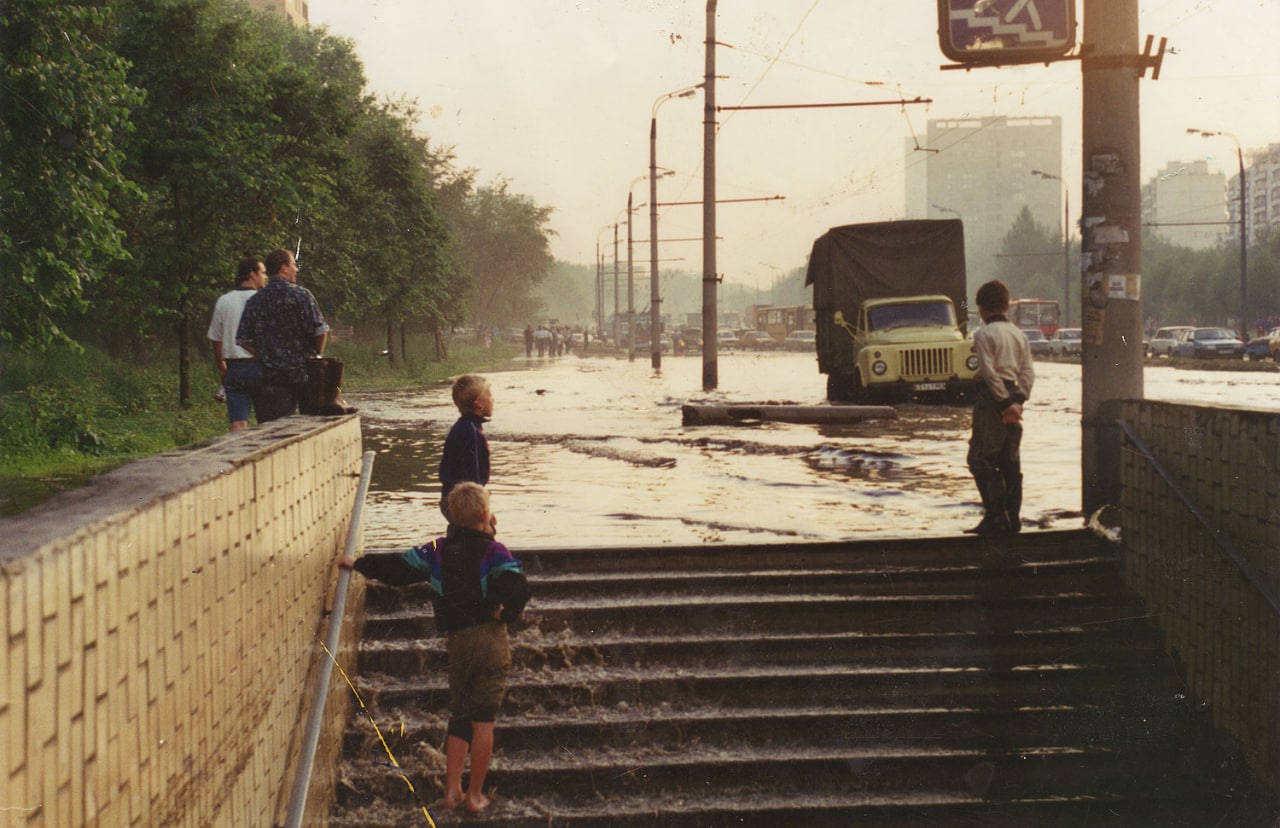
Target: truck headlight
x,y
971,363
878,367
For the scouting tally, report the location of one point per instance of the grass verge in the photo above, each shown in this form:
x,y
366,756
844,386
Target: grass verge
x,y
66,416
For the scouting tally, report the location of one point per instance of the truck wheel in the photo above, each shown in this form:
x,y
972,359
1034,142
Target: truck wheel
x,y
840,387
860,394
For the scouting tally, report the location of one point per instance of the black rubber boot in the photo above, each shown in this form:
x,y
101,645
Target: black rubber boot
x,y
1013,502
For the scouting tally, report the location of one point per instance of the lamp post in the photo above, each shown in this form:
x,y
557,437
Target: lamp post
x,y
655,301
1066,244
653,177
1244,237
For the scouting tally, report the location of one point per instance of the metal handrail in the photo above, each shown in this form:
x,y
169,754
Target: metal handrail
x,y
1219,539
315,716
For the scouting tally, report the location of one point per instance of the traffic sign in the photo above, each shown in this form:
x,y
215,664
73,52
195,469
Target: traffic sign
x,y
986,32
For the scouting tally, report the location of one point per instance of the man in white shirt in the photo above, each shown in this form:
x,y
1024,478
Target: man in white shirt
x,y
1005,377
238,368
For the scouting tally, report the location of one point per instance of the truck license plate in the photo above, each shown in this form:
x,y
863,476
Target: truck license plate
x,y
929,386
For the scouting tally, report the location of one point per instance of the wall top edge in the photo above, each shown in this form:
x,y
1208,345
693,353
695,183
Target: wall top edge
x,y
141,483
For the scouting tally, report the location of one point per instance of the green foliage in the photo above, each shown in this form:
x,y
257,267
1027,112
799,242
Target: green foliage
x,y
151,144
1186,286
504,251
65,104
1030,260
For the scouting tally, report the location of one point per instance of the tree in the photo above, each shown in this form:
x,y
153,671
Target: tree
x,y
244,123
390,230
1030,260
505,251
65,101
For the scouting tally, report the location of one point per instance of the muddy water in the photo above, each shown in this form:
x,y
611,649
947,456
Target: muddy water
x,y
591,452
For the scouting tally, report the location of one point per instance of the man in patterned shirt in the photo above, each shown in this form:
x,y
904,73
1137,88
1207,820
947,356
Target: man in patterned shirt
x,y
281,326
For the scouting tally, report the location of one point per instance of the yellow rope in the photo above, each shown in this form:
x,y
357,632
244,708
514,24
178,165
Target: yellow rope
x,y
376,730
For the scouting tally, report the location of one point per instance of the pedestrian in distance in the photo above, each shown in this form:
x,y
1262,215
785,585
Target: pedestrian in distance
x,y
465,456
1005,377
283,327
478,588
239,370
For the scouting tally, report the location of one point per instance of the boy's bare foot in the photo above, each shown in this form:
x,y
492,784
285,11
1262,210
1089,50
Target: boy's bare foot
x,y
476,803
452,800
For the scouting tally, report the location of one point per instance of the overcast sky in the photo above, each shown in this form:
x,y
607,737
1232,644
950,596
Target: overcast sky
x,y
556,97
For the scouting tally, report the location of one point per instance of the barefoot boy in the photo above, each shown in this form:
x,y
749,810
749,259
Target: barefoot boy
x,y
478,589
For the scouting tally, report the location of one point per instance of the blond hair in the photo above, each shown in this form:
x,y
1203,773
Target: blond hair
x,y
468,504
467,389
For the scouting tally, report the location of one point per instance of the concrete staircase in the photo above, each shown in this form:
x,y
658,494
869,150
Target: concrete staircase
x,y
939,682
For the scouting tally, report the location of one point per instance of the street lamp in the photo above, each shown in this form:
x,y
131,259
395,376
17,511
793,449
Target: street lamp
x,y
655,301
1244,238
1066,243
653,177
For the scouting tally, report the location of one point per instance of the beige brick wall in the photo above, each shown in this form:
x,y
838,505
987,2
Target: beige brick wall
x,y
1222,630
160,625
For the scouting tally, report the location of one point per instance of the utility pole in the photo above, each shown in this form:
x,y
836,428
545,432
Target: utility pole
x,y
710,371
1111,296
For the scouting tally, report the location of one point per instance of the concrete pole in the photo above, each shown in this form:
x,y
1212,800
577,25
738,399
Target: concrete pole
x,y
1111,296
710,370
616,311
655,300
631,294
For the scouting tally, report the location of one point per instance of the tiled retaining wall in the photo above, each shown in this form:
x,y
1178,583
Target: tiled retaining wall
x,y
1222,630
160,627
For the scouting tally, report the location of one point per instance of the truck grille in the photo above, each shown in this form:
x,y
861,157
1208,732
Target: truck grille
x,y
919,363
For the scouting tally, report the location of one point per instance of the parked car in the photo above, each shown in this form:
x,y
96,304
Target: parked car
x,y
801,341
1257,348
1204,343
1035,338
726,340
1165,339
757,341
1066,342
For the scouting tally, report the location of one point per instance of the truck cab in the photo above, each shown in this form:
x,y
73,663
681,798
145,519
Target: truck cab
x,y
890,311
904,348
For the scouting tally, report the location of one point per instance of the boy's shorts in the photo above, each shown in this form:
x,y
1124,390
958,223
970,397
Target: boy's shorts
x,y
479,660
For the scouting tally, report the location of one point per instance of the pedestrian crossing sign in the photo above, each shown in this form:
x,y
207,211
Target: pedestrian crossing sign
x,y
993,32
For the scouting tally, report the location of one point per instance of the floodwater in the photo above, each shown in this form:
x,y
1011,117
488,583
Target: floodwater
x,y
590,452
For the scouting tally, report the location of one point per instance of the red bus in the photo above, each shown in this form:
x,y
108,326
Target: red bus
x,y
1035,313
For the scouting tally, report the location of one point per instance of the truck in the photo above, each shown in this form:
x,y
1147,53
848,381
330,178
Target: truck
x,y
890,312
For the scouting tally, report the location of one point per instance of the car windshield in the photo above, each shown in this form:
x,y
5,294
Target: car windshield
x,y
888,317
1214,333
1070,334
1033,334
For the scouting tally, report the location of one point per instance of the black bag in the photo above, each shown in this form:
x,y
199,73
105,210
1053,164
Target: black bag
x,y
322,394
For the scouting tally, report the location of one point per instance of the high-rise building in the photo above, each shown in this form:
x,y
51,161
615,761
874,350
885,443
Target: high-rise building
x,y
1262,176
984,171
295,10
1185,204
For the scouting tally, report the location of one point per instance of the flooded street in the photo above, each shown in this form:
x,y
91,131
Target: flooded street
x,y
592,452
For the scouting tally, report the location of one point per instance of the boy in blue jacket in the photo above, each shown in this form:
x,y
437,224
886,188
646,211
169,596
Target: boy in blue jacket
x,y
478,588
466,449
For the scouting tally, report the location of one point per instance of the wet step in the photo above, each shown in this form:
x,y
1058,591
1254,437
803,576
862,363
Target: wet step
x,y
811,809
1094,576
813,612
1112,643
879,683
1028,684
637,727
893,771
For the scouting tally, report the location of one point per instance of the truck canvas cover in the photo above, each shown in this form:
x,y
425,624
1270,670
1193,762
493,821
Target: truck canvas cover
x,y
856,262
